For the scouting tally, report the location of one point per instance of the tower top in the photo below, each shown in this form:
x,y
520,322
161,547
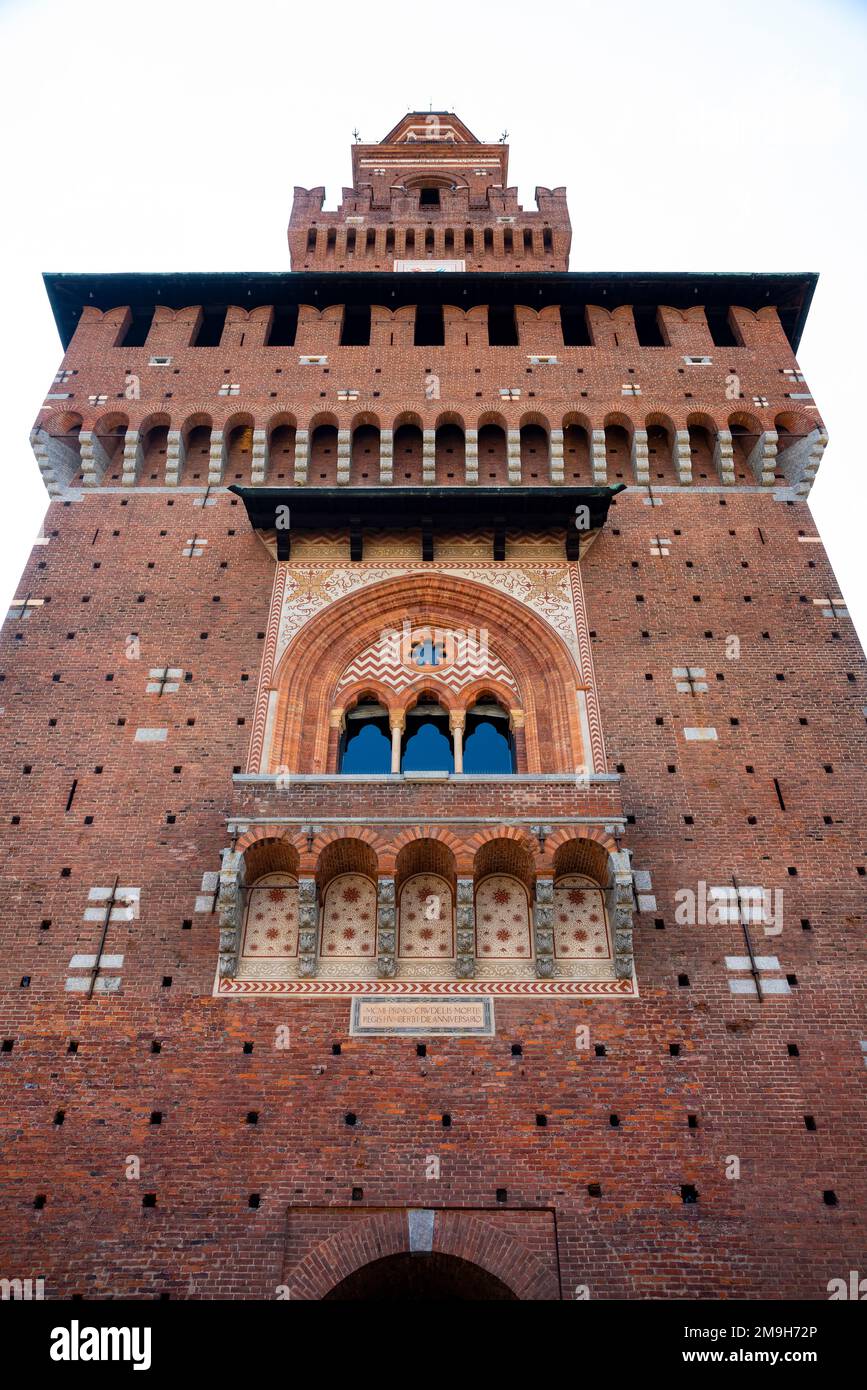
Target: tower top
x,y
435,143
430,195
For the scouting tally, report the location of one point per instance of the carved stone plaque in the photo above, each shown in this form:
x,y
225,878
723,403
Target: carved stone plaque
x,y
421,1015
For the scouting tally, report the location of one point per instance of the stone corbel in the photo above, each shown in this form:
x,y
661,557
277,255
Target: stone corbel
x,y
640,457
133,458
217,459
800,462
556,461
543,928
176,457
302,455
94,459
230,906
386,456
465,962
344,456
763,459
471,455
57,462
308,927
620,905
259,457
723,457
681,457
598,459
428,456
386,929
513,455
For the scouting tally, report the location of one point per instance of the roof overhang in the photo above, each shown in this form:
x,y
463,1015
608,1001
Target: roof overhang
x,y
429,511
790,292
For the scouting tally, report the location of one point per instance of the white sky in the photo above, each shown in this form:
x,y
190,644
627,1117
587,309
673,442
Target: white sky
x,y
690,136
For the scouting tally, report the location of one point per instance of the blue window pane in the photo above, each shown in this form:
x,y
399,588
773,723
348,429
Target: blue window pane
x,y
428,750
487,750
369,751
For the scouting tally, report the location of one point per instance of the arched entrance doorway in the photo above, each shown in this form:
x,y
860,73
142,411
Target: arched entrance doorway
x,y
417,1277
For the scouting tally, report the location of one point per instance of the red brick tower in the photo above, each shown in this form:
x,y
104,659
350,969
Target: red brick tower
x,y
431,775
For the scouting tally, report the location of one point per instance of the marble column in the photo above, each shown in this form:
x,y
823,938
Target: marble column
x,y
398,723
456,725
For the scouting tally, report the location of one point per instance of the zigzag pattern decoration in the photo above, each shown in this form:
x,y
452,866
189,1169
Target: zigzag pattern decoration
x,y
380,662
517,989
